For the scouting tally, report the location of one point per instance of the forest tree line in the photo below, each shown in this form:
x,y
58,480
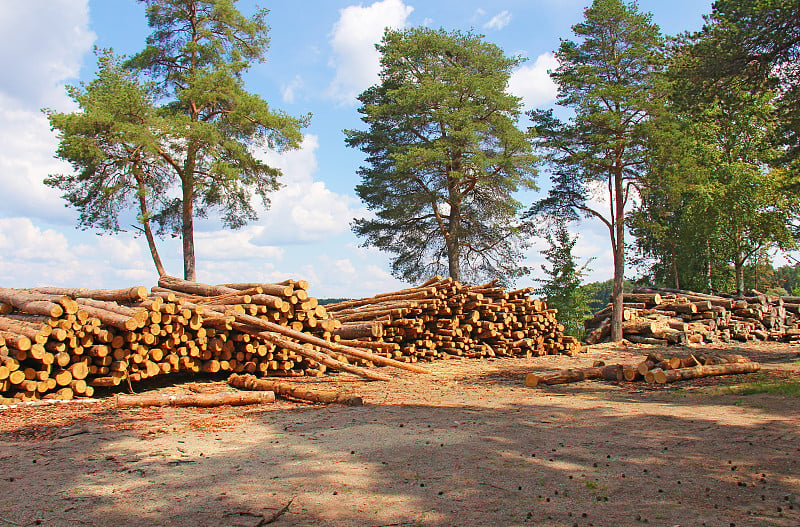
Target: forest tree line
x,y
685,147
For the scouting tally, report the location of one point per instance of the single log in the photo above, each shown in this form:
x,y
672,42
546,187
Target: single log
x,y
195,399
709,371
249,382
573,375
193,288
638,339
31,303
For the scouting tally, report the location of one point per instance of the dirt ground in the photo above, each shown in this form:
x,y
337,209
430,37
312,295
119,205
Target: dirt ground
x,y
468,446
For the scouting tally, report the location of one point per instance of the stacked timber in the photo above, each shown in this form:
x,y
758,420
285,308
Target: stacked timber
x,y
671,316
443,318
65,342
61,343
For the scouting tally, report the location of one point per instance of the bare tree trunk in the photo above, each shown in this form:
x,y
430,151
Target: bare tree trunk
x,y
148,232
709,285
738,267
187,217
453,241
619,253
675,269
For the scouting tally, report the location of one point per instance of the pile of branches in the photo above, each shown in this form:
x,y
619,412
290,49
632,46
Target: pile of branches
x,y
443,318
672,316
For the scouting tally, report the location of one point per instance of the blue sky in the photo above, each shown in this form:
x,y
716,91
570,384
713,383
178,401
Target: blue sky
x,y
321,56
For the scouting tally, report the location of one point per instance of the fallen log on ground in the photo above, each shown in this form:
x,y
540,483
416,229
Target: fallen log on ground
x,y
195,399
249,382
696,372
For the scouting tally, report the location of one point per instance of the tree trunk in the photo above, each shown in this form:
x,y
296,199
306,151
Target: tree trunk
x,y
618,241
187,217
739,270
675,269
148,233
709,284
454,227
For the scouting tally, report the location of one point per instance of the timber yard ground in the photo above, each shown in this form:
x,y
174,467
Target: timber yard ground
x,y
468,446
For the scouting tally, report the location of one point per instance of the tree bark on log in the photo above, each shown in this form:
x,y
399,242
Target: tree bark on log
x,y
708,371
196,399
249,382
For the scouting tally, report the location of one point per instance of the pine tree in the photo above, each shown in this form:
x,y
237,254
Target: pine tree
x,y
607,79
444,157
563,289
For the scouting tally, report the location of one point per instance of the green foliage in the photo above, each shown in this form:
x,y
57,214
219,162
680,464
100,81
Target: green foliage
x,y
562,288
608,81
598,293
755,44
444,157
710,202
788,278
112,145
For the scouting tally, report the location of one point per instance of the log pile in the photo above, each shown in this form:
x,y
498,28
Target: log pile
x,y
655,369
670,316
443,318
58,343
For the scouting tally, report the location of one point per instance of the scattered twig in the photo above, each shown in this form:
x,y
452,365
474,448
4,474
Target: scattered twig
x,y
274,517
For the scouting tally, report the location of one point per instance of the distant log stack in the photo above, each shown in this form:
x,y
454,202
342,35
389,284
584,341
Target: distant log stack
x,y
65,342
443,318
670,316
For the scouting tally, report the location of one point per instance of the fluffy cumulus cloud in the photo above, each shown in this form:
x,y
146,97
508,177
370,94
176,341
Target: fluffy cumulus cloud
x,y
44,42
499,21
304,210
353,39
532,82
31,255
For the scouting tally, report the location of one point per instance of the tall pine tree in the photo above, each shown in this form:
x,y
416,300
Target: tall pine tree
x,y
444,158
607,80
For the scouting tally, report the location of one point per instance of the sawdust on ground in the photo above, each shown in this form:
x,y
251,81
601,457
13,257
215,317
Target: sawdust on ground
x,y
467,446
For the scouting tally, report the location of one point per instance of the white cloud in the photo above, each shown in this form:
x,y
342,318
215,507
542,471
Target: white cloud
x,y
304,210
43,44
353,40
236,245
288,91
31,255
499,21
533,83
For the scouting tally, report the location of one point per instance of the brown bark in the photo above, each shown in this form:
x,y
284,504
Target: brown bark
x,y
248,382
196,399
708,371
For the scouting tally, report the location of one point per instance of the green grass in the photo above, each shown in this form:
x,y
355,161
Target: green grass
x,y
787,387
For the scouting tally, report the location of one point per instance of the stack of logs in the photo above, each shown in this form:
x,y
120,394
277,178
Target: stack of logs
x,y
670,316
61,343
654,369
443,318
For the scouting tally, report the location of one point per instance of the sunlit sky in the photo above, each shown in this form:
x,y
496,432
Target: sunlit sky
x,y
320,58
